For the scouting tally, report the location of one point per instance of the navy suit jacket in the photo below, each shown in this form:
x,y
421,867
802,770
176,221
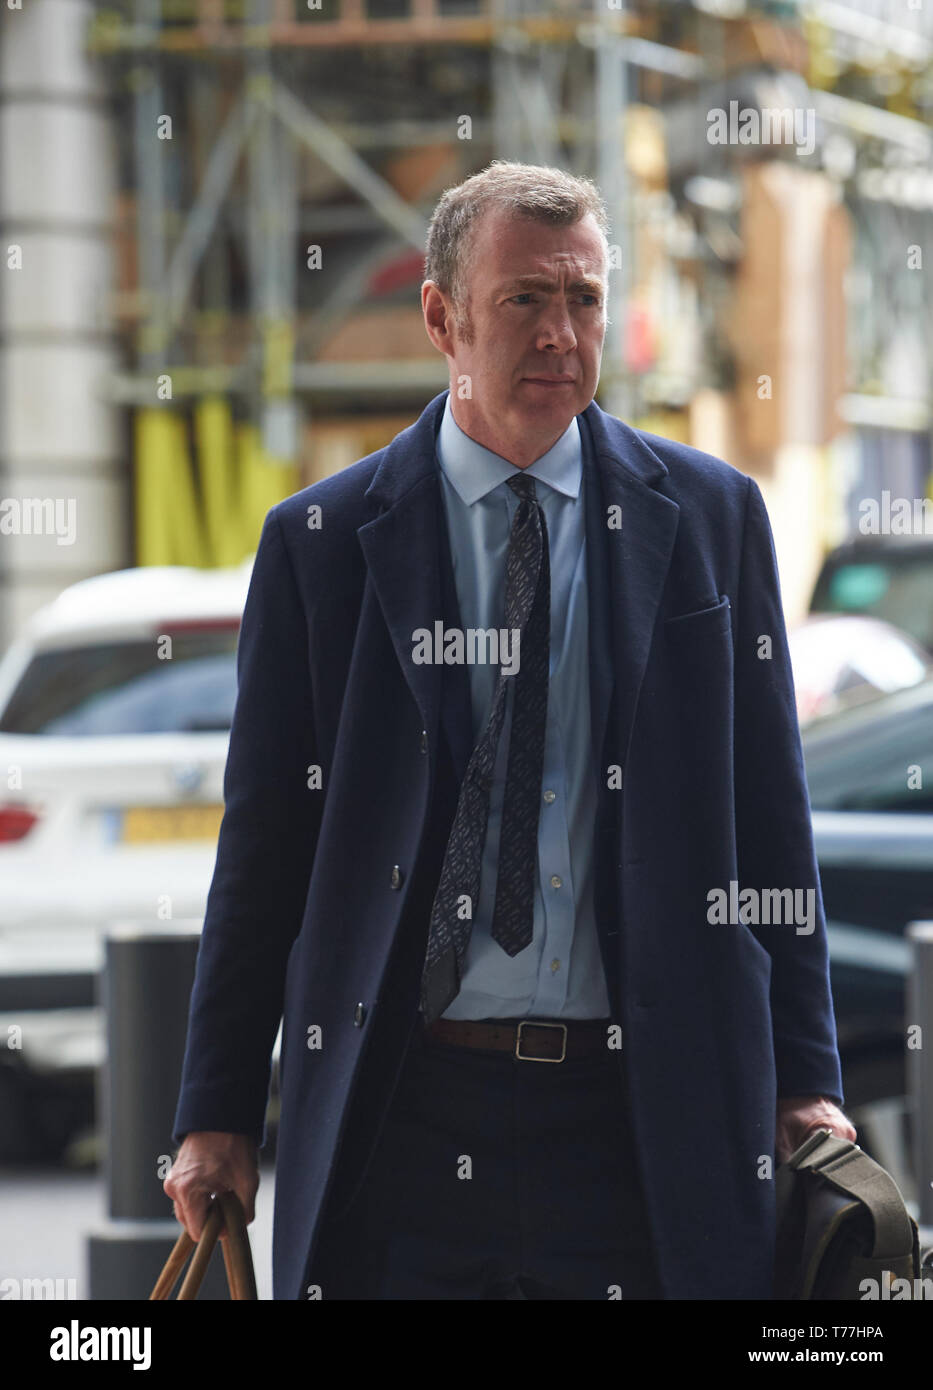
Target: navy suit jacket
x,y
319,904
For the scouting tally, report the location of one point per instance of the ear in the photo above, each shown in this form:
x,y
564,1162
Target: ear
x,y
438,317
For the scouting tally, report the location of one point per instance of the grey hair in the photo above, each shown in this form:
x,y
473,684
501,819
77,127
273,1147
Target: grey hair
x,y
535,191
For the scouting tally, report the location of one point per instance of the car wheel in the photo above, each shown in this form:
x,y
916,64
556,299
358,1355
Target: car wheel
x,y
19,1139
38,1115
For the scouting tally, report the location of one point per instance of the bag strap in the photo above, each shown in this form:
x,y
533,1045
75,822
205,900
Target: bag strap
x,y
225,1210
850,1170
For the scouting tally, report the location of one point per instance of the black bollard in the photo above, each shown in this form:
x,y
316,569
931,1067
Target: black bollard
x,y
920,1057
146,986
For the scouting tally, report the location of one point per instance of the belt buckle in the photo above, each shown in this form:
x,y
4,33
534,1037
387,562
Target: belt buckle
x,y
533,1023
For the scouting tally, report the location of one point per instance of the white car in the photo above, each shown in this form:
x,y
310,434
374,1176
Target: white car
x,y
115,710
841,660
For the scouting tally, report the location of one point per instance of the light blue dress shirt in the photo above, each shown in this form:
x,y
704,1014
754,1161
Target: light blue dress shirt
x,y
560,974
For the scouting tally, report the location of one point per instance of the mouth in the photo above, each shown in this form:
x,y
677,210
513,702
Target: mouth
x,y
550,380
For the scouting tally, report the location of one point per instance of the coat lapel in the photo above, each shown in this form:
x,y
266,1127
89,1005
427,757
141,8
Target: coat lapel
x,y
630,530
408,555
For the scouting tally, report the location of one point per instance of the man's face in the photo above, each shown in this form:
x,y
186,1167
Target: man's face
x,y
536,297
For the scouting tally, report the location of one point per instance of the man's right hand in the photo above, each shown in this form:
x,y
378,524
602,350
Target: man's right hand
x,y
211,1160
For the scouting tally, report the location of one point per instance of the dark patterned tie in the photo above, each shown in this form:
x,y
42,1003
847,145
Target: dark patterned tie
x,y
527,610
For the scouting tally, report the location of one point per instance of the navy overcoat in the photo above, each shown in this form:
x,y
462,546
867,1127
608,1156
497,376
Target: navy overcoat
x,y
344,765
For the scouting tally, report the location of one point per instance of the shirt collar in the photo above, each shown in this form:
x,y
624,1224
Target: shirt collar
x,y
473,470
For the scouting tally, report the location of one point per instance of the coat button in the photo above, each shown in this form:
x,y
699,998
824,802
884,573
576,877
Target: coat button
x,y
359,1014
424,740
396,878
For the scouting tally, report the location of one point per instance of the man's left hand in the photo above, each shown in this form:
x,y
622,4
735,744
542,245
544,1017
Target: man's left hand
x,y
798,1115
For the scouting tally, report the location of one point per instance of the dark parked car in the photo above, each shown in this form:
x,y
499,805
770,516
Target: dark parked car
x,y
889,577
870,774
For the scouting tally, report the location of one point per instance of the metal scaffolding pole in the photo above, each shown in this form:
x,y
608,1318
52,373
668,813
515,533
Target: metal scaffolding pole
x,y
150,201
201,220
527,77
612,176
270,223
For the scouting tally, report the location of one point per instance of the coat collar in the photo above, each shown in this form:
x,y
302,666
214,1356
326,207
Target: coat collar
x,y
410,456
630,538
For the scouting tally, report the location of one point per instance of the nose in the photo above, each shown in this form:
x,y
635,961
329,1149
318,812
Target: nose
x,y
556,329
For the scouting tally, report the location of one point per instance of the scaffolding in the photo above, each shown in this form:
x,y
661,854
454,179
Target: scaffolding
x,y
279,159
542,72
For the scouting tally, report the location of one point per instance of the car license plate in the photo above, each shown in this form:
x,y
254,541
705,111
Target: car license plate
x,y
145,824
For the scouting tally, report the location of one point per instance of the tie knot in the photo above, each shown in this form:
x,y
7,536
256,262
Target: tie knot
x,y
523,487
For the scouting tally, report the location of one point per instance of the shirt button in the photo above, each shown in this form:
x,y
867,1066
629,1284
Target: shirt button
x,y
556,880
550,796
555,966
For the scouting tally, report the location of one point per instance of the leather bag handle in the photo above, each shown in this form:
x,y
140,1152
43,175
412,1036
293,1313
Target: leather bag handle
x,y
225,1210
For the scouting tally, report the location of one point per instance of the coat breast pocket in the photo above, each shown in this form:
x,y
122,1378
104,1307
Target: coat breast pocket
x,y
704,622
697,658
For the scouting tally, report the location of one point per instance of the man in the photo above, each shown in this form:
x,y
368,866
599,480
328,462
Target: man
x,y
515,711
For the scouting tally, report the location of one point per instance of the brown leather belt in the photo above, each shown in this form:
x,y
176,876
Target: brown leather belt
x,y
528,1039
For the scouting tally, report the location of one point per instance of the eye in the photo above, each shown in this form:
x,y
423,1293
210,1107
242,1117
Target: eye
x,y
525,295
594,298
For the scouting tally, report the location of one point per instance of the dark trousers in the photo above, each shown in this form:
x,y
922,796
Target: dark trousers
x,y
494,1178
